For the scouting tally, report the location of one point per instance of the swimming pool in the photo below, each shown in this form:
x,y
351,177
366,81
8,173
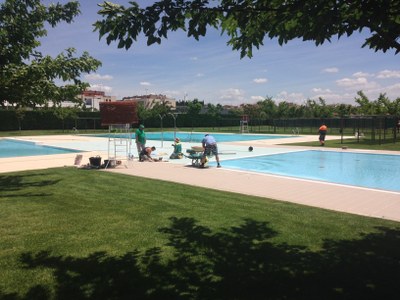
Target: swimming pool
x,y
196,137
377,171
13,148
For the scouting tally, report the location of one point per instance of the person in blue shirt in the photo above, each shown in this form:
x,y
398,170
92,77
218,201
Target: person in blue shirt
x,y
210,147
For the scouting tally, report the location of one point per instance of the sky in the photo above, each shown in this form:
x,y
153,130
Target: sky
x,y
210,71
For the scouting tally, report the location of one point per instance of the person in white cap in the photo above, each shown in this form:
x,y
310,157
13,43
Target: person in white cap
x,y
177,154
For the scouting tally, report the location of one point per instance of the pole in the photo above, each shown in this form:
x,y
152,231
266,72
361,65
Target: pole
x,y
162,130
174,117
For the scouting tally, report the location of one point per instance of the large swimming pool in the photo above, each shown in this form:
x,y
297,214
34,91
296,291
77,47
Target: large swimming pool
x,y
375,171
12,148
196,137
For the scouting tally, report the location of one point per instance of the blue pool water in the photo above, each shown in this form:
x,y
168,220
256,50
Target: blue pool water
x,y
365,170
197,137
11,148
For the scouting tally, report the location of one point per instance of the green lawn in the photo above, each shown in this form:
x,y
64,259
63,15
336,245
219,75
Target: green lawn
x,y
352,144
69,233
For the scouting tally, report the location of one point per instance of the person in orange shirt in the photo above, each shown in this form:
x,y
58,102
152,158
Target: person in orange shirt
x,y
322,133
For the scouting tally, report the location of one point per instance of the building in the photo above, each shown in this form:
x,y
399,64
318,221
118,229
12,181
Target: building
x,y
149,101
91,99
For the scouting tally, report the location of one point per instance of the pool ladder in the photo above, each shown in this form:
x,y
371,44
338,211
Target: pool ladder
x,y
119,144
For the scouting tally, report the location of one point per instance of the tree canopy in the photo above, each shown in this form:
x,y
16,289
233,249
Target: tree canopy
x,y
27,77
248,23
268,109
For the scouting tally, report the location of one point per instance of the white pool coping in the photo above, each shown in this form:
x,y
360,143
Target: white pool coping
x,y
342,198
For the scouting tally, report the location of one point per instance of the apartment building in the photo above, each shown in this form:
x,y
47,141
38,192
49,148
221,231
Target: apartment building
x,y
150,100
91,99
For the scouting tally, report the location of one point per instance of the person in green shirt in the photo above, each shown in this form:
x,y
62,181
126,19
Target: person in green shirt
x,y
140,137
177,154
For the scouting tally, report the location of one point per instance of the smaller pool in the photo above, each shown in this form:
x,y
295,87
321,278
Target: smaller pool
x,y
13,148
377,171
197,137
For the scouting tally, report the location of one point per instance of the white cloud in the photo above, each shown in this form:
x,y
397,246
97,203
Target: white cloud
x,y
391,91
100,87
200,75
290,97
95,77
260,80
257,98
388,74
194,58
172,94
333,98
330,70
359,83
232,96
361,74
319,90
145,83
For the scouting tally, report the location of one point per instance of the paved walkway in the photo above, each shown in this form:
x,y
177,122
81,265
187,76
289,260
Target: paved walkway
x,y
361,201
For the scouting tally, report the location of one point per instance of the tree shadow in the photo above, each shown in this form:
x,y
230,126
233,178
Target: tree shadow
x,y
240,262
13,183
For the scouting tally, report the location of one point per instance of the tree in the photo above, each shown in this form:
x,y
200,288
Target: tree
x,y
27,77
194,107
324,110
396,107
343,110
143,112
160,108
249,22
214,111
383,105
20,113
64,113
365,106
269,107
251,110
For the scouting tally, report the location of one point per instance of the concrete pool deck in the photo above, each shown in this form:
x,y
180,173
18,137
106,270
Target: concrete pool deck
x,y
342,198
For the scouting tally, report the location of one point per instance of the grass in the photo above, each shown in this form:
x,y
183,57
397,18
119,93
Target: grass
x,y
69,233
353,144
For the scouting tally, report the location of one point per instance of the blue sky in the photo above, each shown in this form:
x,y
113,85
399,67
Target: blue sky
x,y
209,70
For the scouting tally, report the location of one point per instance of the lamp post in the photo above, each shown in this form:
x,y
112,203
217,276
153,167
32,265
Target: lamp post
x,y
162,130
174,116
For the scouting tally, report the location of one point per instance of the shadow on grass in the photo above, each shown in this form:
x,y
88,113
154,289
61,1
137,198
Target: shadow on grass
x,y
12,183
235,263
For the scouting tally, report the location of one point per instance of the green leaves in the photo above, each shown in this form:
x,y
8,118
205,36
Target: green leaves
x,y
248,22
26,76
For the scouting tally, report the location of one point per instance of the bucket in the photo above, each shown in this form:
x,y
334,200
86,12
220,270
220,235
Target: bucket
x,y
110,163
95,161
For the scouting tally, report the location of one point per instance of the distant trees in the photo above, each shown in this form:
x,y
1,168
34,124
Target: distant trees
x,y
269,109
27,77
263,111
194,107
248,23
380,106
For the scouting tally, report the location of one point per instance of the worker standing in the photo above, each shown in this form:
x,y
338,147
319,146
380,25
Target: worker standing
x,y
322,133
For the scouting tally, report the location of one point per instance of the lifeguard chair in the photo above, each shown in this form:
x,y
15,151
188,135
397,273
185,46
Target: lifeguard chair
x,y
118,116
244,124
